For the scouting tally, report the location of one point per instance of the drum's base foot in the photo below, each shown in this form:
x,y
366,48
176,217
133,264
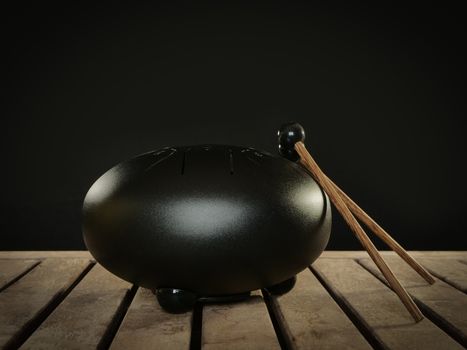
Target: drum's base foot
x,y
282,287
175,300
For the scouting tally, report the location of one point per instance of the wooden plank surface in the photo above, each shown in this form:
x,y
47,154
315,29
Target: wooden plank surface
x,y
146,326
312,319
12,269
62,303
379,309
83,318
46,254
351,254
440,300
358,254
242,325
458,254
451,271
28,300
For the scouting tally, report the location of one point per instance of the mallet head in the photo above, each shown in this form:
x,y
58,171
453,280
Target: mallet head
x,y
288,135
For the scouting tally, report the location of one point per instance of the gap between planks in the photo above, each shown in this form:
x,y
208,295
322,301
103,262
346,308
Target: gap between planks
x,y
451,271
24,309
197,339
13,270
90,315
242,325
440,302
308,317
377,308
146,325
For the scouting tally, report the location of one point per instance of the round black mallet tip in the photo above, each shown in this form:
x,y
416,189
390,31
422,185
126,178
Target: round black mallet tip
x,y
288,135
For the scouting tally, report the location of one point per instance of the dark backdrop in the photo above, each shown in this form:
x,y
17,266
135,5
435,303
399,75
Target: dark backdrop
x,y
380,91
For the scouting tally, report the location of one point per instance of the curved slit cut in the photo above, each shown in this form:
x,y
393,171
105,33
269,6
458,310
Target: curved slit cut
x,y
231,162
183,162
160,160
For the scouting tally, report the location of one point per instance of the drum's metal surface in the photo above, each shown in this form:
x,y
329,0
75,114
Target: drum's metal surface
x,y
211,219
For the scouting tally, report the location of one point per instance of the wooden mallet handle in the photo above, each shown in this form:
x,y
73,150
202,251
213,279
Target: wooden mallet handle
x,y
381,233
291,137
342,208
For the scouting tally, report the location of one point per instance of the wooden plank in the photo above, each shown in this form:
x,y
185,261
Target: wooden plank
x,y
451,271
83,318
242,325
29,300
356,254
350,254
359,254
20,254
378,308
458,254
311,319
442,303
146,325
12,270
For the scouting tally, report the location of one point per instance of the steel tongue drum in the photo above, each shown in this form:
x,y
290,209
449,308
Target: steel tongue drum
x,y
208,222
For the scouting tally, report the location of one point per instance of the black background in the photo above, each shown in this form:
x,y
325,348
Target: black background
x,y
379,90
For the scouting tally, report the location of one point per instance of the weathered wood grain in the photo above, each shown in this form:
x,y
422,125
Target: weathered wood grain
x,y
242,325
442,303
12,270
378,308
146,326
27,301
451,271
312,319
90,314
82,319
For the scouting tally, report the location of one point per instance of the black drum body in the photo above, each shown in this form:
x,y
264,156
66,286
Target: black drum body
x,y
212,219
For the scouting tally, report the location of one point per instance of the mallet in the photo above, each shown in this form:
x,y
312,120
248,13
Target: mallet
x,y
291,137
